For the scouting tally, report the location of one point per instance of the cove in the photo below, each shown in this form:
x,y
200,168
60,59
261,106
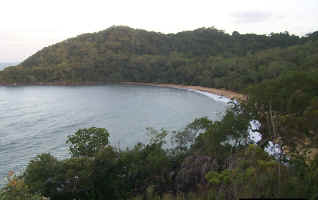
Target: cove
x,y
38,119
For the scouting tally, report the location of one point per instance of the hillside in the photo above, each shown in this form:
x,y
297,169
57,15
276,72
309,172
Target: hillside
x,y
207,159
3,65
206,57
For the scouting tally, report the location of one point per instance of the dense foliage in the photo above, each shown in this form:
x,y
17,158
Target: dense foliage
x,y
206,57
207,160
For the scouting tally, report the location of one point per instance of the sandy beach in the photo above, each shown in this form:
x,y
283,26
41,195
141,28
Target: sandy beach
x,y
220,92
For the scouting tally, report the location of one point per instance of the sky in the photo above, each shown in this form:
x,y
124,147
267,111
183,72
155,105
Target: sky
x,y
28,26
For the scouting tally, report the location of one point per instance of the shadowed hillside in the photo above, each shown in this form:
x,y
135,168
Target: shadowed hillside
x,y
206,57
207,160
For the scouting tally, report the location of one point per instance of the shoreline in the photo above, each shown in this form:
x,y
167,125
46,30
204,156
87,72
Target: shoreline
x,y
213,91
219,92
57,83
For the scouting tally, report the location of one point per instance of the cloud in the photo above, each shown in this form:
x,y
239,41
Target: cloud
x,y
251,16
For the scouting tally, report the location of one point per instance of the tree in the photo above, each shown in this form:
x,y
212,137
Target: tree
x,y
88,142
16,189
42,175
287,114
254,176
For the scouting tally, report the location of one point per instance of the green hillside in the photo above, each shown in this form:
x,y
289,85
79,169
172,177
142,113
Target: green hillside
x,y
207,160
206,56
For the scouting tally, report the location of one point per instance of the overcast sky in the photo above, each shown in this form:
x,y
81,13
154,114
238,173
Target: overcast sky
x,y
28,26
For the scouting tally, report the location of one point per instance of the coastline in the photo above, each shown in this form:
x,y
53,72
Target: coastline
x,y
219,92
57,83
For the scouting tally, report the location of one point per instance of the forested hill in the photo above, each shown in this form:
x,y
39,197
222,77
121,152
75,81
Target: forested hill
x,y
205,56
278,73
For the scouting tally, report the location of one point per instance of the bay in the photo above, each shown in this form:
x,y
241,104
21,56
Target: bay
x,y
38,119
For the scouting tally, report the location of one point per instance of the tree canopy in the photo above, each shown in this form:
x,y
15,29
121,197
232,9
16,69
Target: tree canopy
x,y
206,57
208,159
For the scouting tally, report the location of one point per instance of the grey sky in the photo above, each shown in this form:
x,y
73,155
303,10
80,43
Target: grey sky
x,y
251,16
28,26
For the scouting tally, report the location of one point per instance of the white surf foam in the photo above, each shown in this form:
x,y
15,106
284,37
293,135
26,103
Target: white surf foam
x,y
212,96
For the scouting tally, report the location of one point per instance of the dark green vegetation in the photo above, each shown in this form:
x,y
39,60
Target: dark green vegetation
x,y
206,57
206,160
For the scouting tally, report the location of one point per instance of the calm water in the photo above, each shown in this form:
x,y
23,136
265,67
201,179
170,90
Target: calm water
x,y
37,119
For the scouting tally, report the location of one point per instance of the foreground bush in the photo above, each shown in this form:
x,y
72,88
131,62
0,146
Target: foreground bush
x,y
207,160
16,189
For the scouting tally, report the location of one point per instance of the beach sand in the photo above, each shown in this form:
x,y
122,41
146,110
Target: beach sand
x,y
220,92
